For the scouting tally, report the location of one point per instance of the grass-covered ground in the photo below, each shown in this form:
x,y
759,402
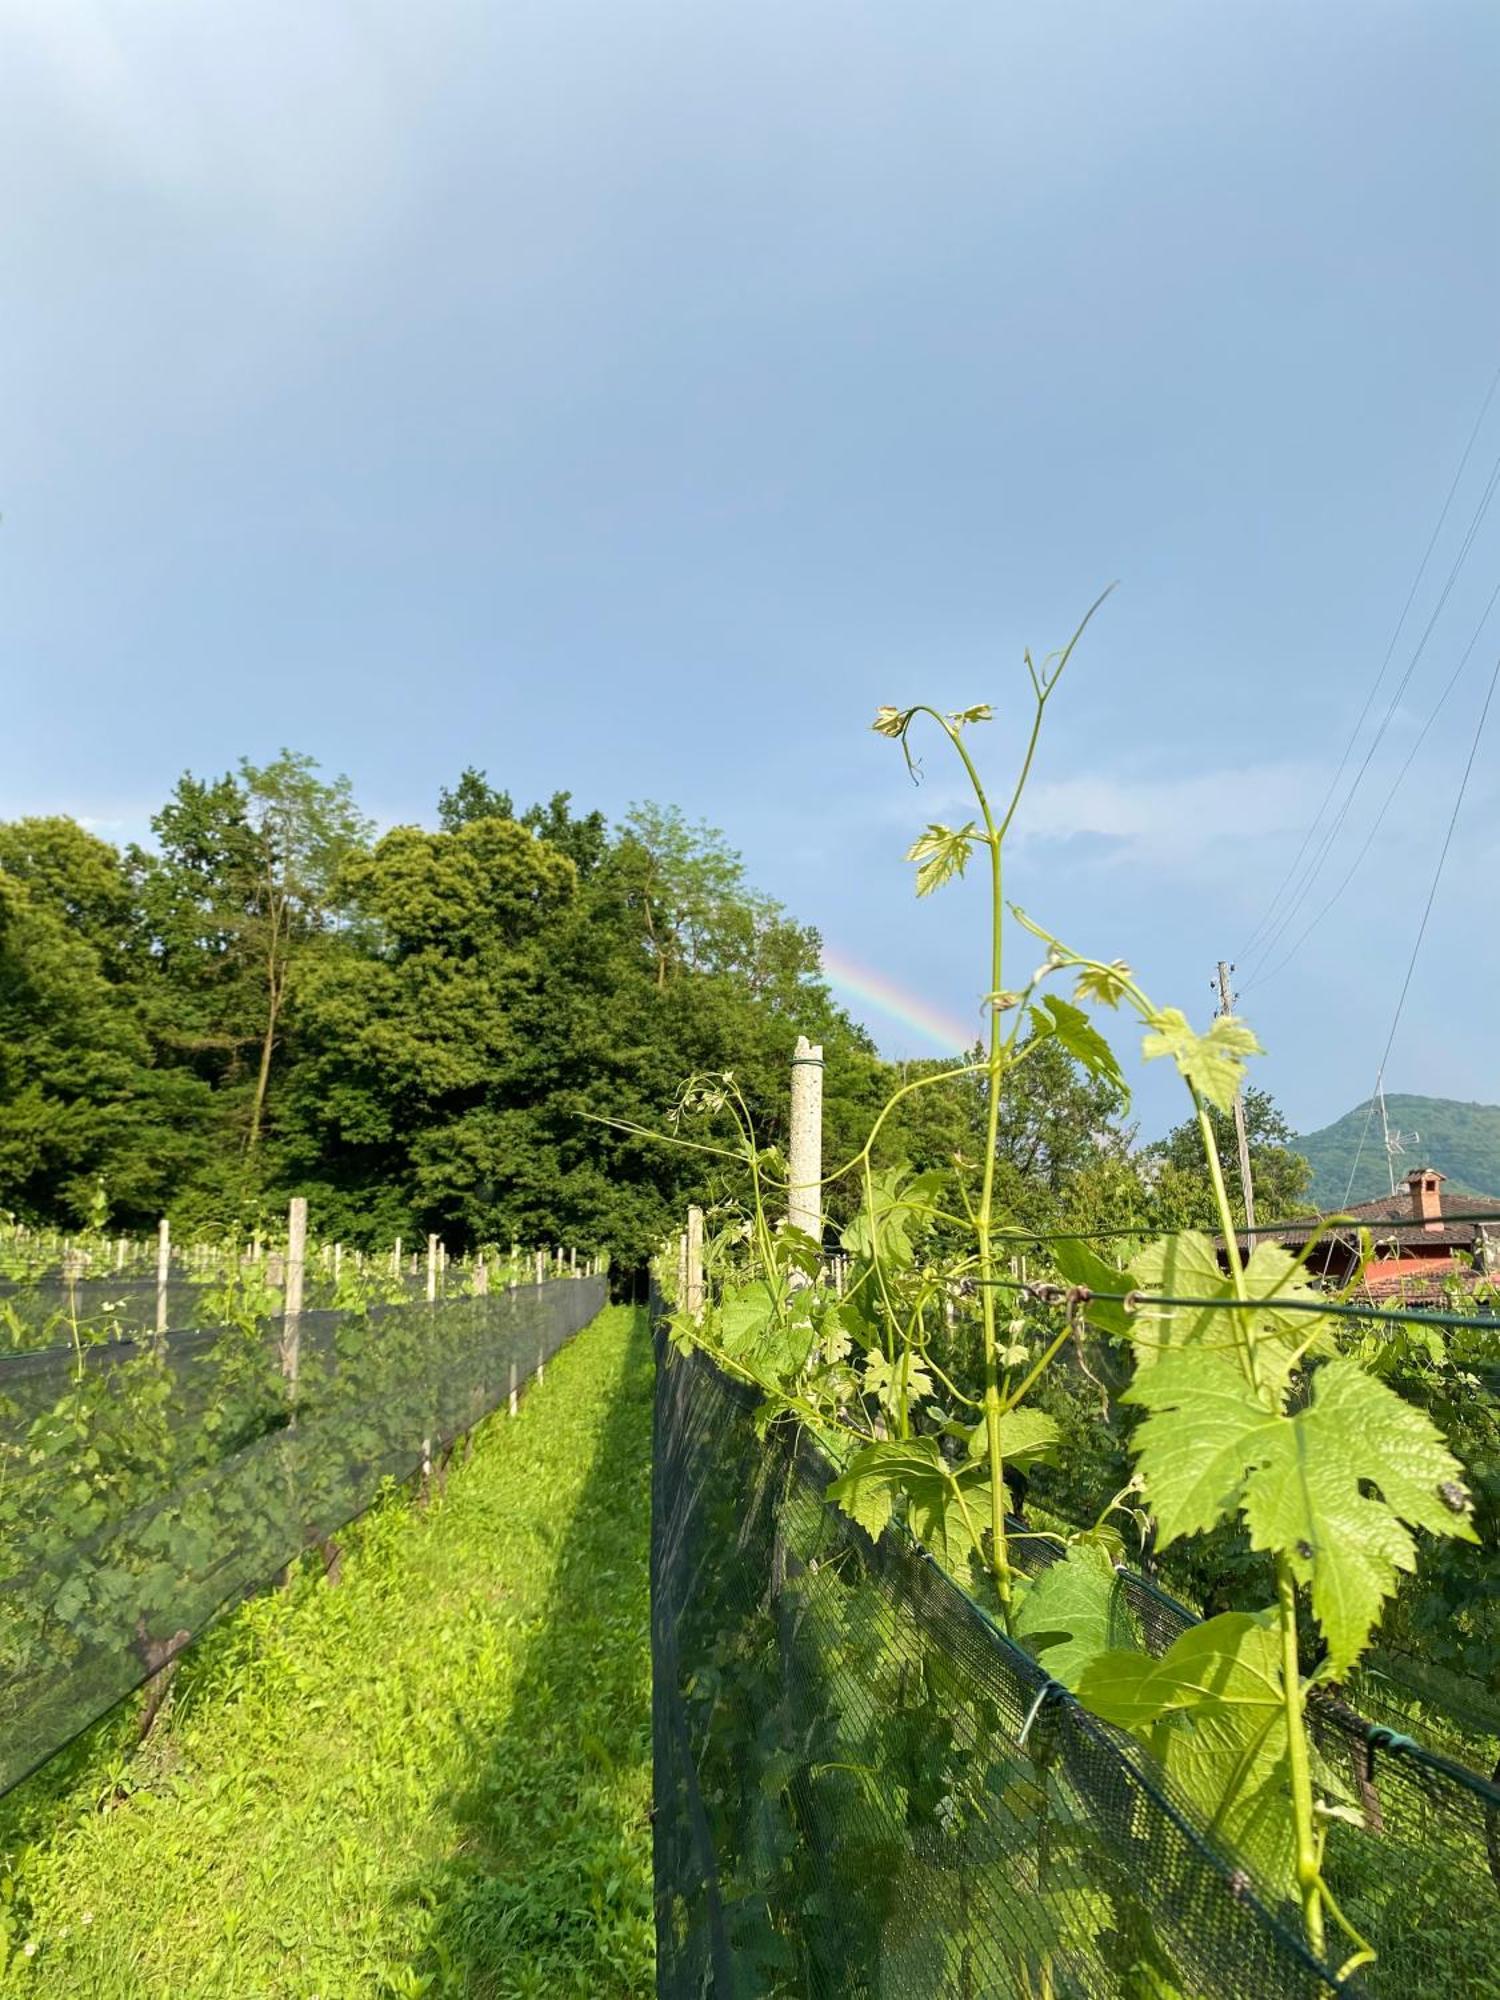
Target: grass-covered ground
x,y
432,1779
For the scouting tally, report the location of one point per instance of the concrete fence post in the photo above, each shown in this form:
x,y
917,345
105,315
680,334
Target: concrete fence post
x,y
692,1290
804,1209
163,1271
291,1305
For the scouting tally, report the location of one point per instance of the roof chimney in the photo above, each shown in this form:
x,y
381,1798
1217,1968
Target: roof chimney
x,y
1426,1200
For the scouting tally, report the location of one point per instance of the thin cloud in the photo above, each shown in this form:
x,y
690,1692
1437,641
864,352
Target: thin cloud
x,y
207,109
1169,821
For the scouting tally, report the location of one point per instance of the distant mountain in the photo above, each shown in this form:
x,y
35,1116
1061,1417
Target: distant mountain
x,y
1460,1140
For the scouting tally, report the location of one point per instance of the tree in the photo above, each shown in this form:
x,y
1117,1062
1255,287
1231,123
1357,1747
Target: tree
x,y
472,797
239,896
81,878
407,1022
1182,1195
584,841
80,1101
697,911
421,1033
1057,1127
305,829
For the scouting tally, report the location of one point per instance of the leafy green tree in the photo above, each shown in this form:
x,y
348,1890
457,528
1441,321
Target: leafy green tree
x,y
584,840
1060,1143
696,909
472,797
305,828
1182,1195
422,1033
80,1100
407,1021
238,899
82,878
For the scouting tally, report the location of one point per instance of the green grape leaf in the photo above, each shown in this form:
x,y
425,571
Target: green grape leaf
x,y
1082,1040
1271,1273
942,1523
1187,1266
900,1202
742,1318
1211,1710
1082,1266
881,1380
1184,1266
1073,1613
879,1477
878,1474
1308,1498
942,852
1205,1431
795,1250
1027,1437
1213,1063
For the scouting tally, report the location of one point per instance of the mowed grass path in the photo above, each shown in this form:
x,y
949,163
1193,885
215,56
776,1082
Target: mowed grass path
x,y
432,1779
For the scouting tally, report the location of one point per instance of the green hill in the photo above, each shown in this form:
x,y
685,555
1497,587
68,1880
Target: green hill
x,y
1460,1140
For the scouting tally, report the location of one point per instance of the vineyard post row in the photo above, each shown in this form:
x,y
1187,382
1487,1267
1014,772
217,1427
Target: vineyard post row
x,y
98,1258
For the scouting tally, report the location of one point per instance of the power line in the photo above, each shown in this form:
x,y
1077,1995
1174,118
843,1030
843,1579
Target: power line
x,y
1281,964
1307,838
1314,868
1437,876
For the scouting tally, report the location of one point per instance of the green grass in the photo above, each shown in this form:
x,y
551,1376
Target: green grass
x,y
434,1778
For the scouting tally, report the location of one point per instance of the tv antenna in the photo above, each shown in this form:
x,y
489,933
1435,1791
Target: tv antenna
x,y
1395,1142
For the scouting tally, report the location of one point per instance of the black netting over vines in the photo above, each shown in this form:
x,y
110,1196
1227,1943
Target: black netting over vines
x,y
36,1313
863,1789
147,1485
1415,1859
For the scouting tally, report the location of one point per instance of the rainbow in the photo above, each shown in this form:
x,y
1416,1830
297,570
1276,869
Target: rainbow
x,y
951,1033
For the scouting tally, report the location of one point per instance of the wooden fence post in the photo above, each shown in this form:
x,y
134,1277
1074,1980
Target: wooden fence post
x,y
432,1268
541,1267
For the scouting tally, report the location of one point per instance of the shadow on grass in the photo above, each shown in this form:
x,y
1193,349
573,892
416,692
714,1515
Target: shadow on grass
x,y
548,1889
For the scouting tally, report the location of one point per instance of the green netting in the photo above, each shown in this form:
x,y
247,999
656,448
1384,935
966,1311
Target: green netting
x,y
148,1485
864,1790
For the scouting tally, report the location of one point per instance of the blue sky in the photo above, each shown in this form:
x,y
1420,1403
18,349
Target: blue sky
x,y
631,398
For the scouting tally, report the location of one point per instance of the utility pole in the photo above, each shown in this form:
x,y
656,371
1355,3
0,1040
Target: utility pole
x,y
1226,1006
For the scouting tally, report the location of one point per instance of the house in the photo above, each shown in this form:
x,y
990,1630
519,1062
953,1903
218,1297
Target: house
x,y
1423,1239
